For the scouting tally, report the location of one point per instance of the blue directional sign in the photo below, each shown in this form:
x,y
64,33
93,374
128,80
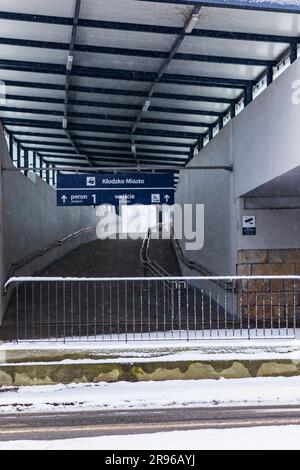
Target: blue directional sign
x,y
113,189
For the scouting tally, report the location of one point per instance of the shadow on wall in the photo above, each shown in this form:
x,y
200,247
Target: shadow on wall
x,y
31,221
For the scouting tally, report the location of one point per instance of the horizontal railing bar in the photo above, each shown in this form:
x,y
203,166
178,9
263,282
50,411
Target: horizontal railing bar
x,y
121,169
166,340
170,278
43,251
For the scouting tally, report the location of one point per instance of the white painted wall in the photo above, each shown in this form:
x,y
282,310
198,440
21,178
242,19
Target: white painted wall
x,y
266,134
262,142
30,219
276,229
214,189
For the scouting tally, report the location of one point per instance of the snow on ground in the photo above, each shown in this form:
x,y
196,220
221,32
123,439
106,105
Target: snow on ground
x,y
126,395
259,349
257,438
240,339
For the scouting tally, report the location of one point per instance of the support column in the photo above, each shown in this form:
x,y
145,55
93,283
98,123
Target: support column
x,y
248,95
269,76
11,147
232,110
40,167
34,160
26,161
221,122
47,173
200,143
293,52
18,154
2,273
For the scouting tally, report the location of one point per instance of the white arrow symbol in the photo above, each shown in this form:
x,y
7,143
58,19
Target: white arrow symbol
x,y
64,199
166,197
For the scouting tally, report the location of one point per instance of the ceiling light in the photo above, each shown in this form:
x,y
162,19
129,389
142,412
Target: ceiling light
x,y
146,106
133,148
65,123
70,63
193,20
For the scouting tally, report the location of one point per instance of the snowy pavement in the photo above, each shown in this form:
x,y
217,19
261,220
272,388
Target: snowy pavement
x,y
126,395
256,438
139,351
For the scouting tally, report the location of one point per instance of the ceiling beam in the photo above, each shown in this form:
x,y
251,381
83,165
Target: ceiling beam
x,y
118,160
110,105
68,72
120,92
39,124
137,52
119,165
124,75
278,6
104,149
96,138
136,27
105,117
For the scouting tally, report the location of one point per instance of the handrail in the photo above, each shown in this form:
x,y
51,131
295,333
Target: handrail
x,y
152,265
39,253
22,279
195,266
146,261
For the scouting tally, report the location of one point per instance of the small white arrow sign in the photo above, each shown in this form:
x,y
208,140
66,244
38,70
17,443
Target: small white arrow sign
x,y
64,199
166,197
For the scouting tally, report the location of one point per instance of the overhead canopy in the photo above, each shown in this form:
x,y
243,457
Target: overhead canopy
x,y
146,83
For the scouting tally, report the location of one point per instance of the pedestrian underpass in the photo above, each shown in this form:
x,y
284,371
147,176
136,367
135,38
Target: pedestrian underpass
x,y
190,99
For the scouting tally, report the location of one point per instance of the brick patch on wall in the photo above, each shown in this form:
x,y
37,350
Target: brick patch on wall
x,y
273,303
268,262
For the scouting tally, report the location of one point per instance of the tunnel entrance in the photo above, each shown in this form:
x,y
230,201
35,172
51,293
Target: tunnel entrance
x,y
149,104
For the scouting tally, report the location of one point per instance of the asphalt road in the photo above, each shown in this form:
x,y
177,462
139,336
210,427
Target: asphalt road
x,y
50,426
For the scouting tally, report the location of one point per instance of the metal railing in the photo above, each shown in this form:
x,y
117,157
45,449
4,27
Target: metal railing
x,y
151,265
192,265
137,309
44,251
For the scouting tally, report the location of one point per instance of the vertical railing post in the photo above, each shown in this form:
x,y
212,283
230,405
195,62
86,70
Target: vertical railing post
x,y
294,309
17,312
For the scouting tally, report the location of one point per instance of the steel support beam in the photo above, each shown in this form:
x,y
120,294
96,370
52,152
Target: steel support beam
x,y
106,155
248,95
119,92
18,154
69,68
132,168
293,52
26,159
124,75
34,160
11,146
78,138
88,149
109,105
136,52
38,124
105,117
278,6
133,27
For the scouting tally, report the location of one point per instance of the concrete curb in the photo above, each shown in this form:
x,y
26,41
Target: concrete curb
x,y
94,372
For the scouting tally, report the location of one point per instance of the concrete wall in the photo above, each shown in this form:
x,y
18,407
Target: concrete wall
x,y
263,143
31,221
275,229
214,189
266,134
